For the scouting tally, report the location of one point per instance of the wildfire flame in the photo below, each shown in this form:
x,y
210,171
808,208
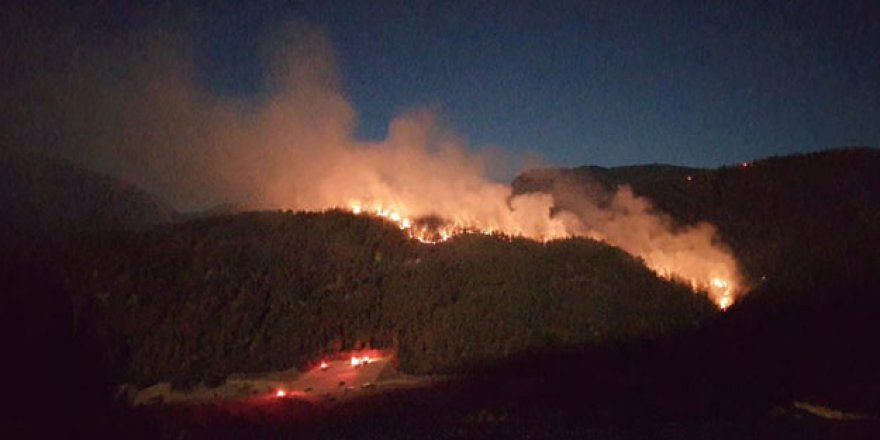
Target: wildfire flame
x,y
722,292
424,234
441,232
358,361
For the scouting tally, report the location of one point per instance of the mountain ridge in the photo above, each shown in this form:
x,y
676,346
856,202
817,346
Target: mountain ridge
x,y
50,200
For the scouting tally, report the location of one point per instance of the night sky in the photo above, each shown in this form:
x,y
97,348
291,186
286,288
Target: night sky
x,y
598,82
605,82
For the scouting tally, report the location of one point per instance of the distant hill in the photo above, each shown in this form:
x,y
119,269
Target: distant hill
x,y
46,199
788,219
258,291
540,179
806,230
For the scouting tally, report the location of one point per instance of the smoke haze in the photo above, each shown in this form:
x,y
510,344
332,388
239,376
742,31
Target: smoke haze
x,y
134,108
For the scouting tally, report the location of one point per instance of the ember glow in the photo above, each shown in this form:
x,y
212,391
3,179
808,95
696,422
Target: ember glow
x,y
722,292
357,361
421,231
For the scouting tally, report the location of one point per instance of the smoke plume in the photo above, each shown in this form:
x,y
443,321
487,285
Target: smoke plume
x,y
136,109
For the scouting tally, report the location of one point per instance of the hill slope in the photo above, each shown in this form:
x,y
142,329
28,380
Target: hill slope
x,y
260,291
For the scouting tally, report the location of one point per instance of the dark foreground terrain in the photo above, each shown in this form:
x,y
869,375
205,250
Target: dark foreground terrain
x,y
576,348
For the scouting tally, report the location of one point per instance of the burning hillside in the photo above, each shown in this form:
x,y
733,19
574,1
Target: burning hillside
x,y
296,148
687,261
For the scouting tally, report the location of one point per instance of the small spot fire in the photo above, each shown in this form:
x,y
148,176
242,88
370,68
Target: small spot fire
x,y
334,377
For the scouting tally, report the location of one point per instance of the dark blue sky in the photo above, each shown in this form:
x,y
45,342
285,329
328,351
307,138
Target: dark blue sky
x,y
602,82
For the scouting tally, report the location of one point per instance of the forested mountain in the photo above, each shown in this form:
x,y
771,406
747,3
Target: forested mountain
x,y
141,299
259,291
